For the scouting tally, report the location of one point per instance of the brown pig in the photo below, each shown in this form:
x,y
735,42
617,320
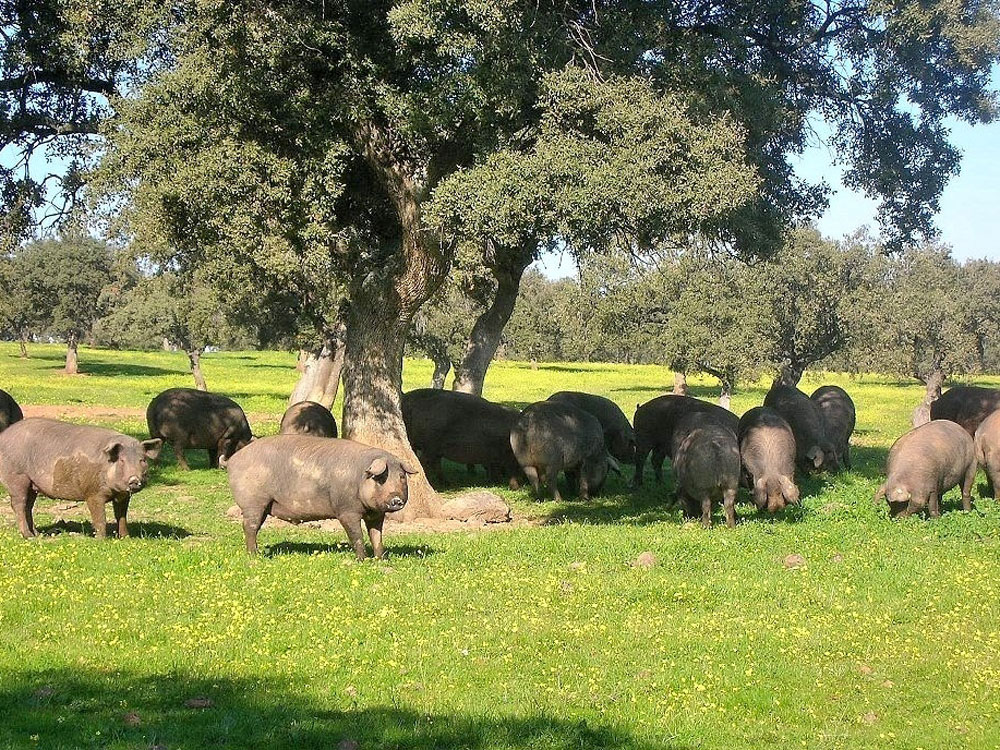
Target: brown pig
x,y
73,462
925,463
767,449
303,478
706,464
988,451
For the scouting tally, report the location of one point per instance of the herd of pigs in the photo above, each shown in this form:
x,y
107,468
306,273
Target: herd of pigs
x,y
305,473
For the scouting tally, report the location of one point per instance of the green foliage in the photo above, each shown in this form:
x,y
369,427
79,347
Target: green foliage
x,y
63,281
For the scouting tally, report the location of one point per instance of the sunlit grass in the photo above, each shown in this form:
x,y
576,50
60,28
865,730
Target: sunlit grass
x,y
536,636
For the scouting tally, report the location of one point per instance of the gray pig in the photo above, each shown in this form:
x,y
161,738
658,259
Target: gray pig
x,y
308,418
618,434
654,428
188,418
814,451
925,463
550,437
463,428
706,464
767,449
304,478
73,462
988,451
839,418
10,412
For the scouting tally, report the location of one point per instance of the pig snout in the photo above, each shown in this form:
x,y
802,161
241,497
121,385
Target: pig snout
x,y
396,502
134,483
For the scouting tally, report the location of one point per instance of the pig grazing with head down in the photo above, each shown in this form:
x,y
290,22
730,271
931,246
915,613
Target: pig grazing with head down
x,y
655,421
550,437
619,438
463,428
813,448
304,478
308,418
767,449
706,463
924,464
73,462
10,412
188,418
839,418
967,405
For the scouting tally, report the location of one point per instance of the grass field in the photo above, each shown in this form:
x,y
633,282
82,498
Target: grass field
x,y
539,636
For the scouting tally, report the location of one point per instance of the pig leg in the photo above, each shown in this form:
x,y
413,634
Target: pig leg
x,y
970,479
213,458
532,473
641,451
179,446
253,519
121,511
659,455
729,502
575,480
22,500
582,483
98,516
354,535
934,505
374,525
552,480
706,511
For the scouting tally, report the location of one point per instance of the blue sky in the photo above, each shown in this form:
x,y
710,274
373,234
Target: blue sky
x,y
969,219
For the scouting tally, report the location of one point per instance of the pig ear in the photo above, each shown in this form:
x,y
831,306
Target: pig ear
x,y
614,465
407,467
376,467
152,448
790,490
113,449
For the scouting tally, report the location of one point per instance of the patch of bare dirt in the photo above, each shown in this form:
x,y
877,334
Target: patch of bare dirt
x,y
81,411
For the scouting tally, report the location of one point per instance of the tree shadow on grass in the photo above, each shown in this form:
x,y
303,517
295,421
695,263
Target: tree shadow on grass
x,y
69,708
704,392
112,369
343,548
137,529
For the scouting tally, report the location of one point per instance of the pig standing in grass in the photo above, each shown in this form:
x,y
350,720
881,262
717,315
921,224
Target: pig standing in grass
x,y
308,418
73,462
839,418
654,428
619,438
706,463
10,412
813,448
550,437
304,478
188,418
967,405
767,449
988,451
924,464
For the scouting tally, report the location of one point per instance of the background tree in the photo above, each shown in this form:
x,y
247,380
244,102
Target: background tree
x,y
66,277
20,315
922,324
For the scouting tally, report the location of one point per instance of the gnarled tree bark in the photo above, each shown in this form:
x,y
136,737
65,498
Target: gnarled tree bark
x,y
320,379
72,354
933,382
680,384
194,357
790,373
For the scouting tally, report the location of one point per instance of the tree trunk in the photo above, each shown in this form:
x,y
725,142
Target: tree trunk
x,y
441,367
790,374
22,341
470,373
167,346
194,357
320,379
373,378
680,384
72,356
300,363
726,396
933,383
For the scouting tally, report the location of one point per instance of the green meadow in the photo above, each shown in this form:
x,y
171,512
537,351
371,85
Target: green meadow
x,y
880,634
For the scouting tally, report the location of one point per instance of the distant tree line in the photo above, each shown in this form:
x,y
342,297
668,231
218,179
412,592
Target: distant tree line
x,y
847,305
